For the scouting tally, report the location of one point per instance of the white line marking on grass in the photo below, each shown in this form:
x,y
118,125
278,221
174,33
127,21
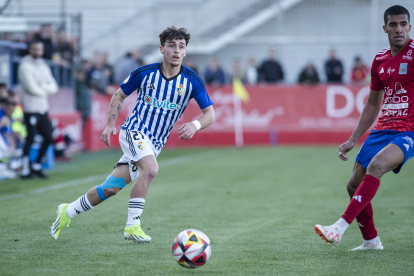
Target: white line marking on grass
x,y
68,184
162,164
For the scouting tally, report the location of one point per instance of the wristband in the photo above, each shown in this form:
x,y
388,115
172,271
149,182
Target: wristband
x,y
197,124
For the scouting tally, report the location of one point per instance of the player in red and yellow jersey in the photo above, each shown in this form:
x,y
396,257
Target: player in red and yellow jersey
x,y
391,143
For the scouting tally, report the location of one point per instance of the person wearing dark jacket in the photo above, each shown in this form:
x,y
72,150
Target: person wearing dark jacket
x,y
309,75
271,71
334,69
214,74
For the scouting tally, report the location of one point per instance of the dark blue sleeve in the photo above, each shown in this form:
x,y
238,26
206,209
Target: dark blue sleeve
x,y
199,93
130,84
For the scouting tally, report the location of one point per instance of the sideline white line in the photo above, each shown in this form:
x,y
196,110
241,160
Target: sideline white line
x,y
162,164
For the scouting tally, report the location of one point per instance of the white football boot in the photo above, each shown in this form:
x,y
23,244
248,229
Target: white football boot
x,y
331,234
369,246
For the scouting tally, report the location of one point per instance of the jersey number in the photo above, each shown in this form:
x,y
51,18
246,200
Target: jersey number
x,y
136,135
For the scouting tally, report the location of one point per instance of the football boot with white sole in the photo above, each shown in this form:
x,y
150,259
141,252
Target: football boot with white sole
x,y
135,233
369,246
331,234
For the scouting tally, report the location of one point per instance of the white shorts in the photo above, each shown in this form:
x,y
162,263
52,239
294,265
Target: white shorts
x,y
135,146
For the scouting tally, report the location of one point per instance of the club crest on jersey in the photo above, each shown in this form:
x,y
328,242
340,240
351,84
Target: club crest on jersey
x,y
180,89
403,69
141,145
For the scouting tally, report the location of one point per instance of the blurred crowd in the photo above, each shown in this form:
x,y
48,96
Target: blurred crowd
x,y
57,46
270,71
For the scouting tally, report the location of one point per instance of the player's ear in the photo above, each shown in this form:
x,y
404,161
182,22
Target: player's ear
x,y
162,49
384,28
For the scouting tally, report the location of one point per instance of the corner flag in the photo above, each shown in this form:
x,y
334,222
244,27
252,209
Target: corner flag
x,y
239,90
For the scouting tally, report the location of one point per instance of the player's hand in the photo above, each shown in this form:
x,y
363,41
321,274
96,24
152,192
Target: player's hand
x,y
344,149
187,131
106,135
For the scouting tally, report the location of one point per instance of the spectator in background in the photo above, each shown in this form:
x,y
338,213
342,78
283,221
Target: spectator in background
x,y
64,49
128,64
213,74
271,71
359,72
334,69
83,96
251,72
237,71
99,75
309,75
190,64
45,36
37,84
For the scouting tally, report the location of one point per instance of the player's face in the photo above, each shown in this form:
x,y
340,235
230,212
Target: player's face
x,y
397,29
174,51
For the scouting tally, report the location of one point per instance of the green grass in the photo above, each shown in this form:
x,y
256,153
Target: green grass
x,y
257,205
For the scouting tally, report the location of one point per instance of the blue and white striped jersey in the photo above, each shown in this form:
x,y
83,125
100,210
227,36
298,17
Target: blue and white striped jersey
x,y
161,101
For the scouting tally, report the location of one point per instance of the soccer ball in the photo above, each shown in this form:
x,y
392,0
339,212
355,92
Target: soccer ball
x,y
191,248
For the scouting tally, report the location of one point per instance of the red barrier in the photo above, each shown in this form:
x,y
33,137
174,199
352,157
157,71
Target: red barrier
x,y
274,115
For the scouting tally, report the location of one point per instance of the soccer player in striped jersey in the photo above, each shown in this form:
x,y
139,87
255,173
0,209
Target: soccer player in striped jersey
x,y
164,91
391,143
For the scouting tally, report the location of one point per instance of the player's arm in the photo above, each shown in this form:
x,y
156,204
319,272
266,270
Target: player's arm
x,y
114,108
188,130
367,118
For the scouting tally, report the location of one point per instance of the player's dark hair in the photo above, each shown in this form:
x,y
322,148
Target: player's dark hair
x,y
173,33
395,10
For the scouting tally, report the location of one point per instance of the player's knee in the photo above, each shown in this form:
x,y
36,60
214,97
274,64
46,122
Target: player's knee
x,y
151,172
110,187
111,192
350,188
377,166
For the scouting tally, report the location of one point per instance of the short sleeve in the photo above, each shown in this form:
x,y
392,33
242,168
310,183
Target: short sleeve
x,y
130,84
376,84
200,94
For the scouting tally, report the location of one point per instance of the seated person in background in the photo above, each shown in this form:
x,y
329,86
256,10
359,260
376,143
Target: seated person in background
x,y
359,72
60,141
7,142
17,128
309,75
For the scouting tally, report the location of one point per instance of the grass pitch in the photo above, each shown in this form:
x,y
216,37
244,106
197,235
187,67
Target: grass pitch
x,y
257,205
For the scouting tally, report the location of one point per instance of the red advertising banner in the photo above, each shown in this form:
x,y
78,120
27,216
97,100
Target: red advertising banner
x,y
274,115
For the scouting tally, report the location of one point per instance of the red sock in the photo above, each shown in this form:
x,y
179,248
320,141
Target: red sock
x,y
365,221
362,197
